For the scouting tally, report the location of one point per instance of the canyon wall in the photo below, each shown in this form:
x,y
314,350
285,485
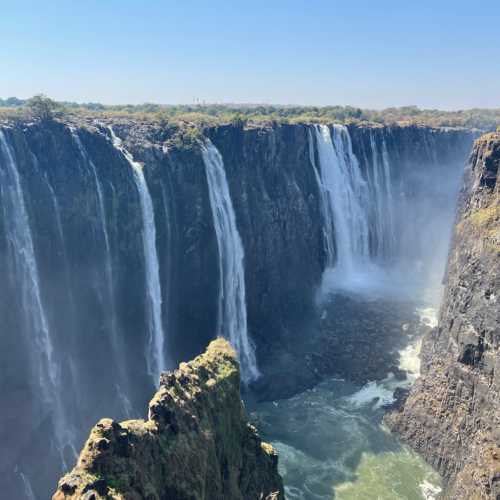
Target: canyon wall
x,y
76,312
452,415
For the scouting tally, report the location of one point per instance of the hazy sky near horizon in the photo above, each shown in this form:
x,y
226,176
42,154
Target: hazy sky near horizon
x,y
440,53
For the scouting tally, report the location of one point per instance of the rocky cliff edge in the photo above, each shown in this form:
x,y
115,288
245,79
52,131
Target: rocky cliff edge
x,y
452,415
195,444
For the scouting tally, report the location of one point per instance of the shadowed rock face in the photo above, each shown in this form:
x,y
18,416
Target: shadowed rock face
x,y
452,415
195,444
90,258
275,197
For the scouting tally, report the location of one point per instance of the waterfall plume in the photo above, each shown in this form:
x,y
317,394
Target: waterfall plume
x,y
155,355
232,314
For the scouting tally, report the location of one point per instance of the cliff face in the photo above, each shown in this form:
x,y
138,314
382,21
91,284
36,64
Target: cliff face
x,y
426,168
275,198
276,202
196,443
78,309
83,215
452,415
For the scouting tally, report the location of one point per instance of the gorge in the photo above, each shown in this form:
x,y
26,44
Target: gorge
x,y
127,246
452,415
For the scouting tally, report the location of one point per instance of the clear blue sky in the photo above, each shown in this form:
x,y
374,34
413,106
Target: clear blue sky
x,y
440,53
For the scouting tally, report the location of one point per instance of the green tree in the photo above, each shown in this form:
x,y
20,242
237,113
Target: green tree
x,y
42,107
238,120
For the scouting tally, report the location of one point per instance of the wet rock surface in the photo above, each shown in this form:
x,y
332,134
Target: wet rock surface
x,y
352,338
452,415
195,444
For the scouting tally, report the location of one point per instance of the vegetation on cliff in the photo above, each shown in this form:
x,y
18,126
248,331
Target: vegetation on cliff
x,y
215,114
195,444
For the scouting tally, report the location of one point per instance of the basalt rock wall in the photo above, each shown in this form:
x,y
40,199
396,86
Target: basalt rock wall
x,y
82,213
452,415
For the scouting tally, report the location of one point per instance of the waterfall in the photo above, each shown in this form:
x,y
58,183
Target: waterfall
x,y
26,278
380,183
28,490
325,207
377,196
357,210
155,356
108,271
108,261
345,196
25,266
232,315
60,234
390,215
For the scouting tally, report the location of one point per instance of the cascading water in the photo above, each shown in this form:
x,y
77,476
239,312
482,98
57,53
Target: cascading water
x,y
357,209
104,229
155,355
26,277
60,234
325,206
390,221
25,267
232,314
109,281
379,181
345,195
168,267
28,490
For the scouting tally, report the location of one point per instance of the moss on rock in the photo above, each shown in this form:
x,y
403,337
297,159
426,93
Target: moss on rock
x,y
196,443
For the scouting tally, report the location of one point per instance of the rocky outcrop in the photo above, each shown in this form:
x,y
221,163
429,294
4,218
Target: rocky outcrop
x,y
195,444
452,415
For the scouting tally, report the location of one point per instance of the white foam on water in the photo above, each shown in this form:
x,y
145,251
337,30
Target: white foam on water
x,y
332,444
429,491
409,359
308,473
375,394
428,316
294,493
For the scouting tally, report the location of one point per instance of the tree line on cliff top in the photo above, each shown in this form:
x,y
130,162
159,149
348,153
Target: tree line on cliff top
x,y
43,107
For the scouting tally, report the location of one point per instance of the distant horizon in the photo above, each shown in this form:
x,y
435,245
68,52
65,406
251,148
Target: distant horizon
x,y
249,104
372,55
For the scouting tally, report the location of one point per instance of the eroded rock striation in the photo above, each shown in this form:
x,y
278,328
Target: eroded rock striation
x,y
195,444
452,415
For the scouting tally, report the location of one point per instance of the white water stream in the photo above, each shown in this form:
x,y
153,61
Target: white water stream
x,y
155,355
232,315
